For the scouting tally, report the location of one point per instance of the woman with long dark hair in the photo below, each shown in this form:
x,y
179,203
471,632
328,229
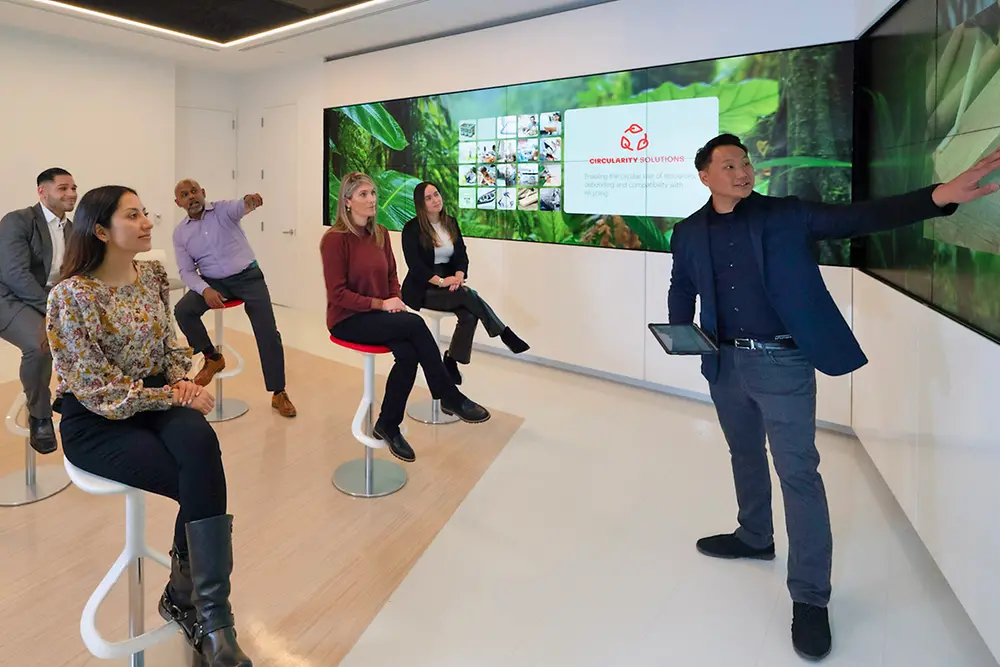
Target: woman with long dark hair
x,y
129,414
437,264
363,306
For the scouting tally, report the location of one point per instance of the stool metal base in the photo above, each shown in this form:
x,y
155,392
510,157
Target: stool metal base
x,y
226,409
430,412
387,478
49,480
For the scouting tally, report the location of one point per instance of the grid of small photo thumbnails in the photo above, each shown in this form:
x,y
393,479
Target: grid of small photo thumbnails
x,y
511,162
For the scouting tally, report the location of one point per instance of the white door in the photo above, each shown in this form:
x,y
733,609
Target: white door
x,y
275,224
206,152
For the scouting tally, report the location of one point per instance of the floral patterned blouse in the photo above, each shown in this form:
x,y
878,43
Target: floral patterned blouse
x,y
105,340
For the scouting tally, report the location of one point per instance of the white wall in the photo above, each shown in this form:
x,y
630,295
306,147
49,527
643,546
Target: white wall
x,y
925,412
106,116
604,297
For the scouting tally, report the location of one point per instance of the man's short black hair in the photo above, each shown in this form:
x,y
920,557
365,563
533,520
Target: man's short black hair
x,y
50,175
704,155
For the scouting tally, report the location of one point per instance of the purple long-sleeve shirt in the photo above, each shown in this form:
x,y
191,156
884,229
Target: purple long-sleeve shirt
x,y
215,246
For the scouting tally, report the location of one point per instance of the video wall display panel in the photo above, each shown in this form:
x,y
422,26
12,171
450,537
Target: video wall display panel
x,y
933,99
605,160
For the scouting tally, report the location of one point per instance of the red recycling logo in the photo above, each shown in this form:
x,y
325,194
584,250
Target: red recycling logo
x,y
634,129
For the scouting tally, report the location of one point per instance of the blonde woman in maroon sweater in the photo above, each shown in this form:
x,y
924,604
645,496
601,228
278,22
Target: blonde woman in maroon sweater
x,y
363,306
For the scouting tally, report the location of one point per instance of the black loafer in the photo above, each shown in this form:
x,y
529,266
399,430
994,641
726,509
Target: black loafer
x,y
398,446
42,435
811,631
730,546
468,411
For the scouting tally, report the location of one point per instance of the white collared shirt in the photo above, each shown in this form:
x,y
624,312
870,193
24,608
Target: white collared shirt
x,y
56,227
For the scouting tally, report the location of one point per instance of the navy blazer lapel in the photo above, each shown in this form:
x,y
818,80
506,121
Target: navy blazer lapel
x,y
705,273
42,227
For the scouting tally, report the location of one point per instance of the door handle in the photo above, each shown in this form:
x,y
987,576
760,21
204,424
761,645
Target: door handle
x,y
290,232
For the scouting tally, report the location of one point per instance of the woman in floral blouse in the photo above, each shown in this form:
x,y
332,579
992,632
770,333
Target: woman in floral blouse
x,y
130,415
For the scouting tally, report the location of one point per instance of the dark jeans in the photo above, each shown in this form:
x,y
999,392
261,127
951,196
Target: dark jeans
x,y
773,393
470,309
250,288
173,453
411,343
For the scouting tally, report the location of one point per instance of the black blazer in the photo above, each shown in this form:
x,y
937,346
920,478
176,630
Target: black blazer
x,y
420,264
783,232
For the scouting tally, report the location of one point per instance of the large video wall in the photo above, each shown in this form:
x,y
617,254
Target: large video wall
x,y
604,160
933,106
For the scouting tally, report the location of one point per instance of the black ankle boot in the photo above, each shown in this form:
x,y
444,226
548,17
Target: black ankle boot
x,y
210,545
513,342
467,410
175,603
398,446
451,366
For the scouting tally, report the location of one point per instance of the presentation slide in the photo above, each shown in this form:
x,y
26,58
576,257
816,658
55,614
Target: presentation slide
x,y
934,111
605,160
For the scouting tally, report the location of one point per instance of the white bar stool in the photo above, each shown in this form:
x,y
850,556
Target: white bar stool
x,y
226,408
36,482
135,552
429,412
368,477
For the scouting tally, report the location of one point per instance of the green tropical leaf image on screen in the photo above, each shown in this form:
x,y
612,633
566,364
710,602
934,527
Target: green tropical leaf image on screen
x,y
931,110
604,160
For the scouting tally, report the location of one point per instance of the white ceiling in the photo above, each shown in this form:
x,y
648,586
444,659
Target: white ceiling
x,y
384,25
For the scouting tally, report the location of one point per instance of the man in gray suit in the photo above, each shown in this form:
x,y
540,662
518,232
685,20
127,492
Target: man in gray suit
x,y
32,245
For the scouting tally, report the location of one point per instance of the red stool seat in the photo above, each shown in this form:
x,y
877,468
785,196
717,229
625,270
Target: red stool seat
x,y
358,347
232,303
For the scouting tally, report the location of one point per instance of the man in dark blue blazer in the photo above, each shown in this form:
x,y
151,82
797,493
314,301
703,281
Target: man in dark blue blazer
x,y
750,258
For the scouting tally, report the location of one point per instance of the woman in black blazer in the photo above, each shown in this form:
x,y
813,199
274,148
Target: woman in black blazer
x,y
437,264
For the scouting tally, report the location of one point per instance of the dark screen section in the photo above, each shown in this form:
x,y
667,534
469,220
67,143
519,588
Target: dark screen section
x,y
927,110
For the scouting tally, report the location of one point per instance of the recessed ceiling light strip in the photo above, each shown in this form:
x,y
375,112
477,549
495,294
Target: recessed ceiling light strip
x,y
90,13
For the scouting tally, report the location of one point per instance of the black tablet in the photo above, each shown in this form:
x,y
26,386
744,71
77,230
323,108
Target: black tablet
x,y
683,339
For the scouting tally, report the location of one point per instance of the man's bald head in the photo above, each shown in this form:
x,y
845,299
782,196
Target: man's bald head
x,y
190,196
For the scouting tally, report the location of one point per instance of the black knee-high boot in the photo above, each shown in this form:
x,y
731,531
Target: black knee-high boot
x,y
175,603
210,548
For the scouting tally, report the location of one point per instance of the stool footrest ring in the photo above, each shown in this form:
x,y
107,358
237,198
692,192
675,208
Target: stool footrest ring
x,y
92,639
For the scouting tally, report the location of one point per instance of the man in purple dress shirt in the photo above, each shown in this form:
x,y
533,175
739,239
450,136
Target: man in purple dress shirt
x,y
217,264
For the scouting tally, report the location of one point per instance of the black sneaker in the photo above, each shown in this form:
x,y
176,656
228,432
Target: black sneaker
x,y
451,366
398,446
469,412
730,546
811,631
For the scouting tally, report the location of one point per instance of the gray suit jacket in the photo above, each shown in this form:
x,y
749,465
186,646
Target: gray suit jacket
x,y
25,262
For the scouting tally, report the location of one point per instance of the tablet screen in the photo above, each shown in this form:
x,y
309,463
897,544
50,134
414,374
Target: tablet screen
x,y
683,339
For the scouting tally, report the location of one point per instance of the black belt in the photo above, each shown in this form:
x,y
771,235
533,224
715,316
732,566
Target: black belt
x,y
753,344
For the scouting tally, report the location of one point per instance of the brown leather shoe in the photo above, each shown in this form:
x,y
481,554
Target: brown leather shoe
x,y
208,370
283,404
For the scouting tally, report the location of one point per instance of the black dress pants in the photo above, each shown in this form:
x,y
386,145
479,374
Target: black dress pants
x,y
411,343
249,287
173,453
471,309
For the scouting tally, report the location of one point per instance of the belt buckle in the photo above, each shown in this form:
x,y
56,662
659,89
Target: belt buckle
x,y
745,344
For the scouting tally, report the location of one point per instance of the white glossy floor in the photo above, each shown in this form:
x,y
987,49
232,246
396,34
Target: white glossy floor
x,y
577,546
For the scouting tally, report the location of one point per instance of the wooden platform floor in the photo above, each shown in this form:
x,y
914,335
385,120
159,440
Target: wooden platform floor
x,y
313,566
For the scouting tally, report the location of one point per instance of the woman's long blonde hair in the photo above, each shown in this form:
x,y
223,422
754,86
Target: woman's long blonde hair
x,y
342,222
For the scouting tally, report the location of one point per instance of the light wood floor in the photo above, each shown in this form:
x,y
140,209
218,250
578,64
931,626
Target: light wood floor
x,y
313,566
